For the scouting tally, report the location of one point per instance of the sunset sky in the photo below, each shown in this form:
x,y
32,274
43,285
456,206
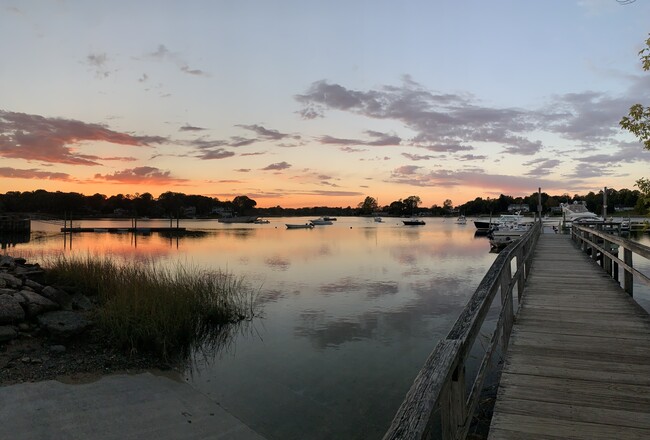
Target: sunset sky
x,y
306,103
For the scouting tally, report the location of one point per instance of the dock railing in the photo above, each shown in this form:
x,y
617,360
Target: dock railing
x,y
438,396
605,248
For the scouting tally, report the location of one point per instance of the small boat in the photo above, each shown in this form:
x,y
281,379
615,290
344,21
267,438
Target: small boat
x,y
299,226
321,221
331,219
625,225
240,219
379,220
462,220
261,221
413,222
503,235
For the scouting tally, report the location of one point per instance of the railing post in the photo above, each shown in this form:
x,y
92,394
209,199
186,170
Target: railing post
x,y
506,303
521,280
628,276
453,411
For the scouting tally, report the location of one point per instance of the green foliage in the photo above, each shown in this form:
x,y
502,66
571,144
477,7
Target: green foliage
x,y
638,123
368,206
146,307
638,120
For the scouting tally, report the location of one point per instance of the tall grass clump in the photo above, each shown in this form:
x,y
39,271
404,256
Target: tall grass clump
x,y
144,306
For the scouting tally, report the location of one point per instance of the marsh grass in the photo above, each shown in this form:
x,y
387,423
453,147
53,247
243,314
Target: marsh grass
x,y
144,306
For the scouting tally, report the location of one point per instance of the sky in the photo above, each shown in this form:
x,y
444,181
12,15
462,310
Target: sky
x,y
306,103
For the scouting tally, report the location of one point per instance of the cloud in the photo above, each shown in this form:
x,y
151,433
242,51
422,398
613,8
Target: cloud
x,y
188,127
380,140
406,170
473,178
470,157
268,134
417,156
143,78
277,166
442,122
627,152
352,150
164,54
141,175
586,171
98,62
219,153
34,137
543,167
33,173
243,170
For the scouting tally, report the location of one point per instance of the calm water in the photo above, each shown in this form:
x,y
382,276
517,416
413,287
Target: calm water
x,y
349,312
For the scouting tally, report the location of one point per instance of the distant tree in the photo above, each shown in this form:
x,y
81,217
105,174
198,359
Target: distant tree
x,y
368,206
448,205
396,208
243,205
411,204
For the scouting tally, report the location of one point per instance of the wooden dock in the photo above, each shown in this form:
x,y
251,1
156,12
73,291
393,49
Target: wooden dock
x,y
578,361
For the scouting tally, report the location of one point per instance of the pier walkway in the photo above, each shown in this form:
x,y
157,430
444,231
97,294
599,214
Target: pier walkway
x,y
578,361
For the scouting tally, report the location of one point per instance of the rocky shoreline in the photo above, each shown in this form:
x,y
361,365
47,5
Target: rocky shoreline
x,y
47,332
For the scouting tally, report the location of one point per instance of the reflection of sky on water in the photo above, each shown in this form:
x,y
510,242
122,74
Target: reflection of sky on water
x,y
350,313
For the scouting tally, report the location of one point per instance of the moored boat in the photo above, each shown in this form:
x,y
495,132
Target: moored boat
x,y
413,222
320,222
299,226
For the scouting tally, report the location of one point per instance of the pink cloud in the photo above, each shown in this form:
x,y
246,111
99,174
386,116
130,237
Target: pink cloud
x,y
149,175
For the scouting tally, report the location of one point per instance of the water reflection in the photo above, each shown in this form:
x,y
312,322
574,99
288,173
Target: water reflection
x,y
350,313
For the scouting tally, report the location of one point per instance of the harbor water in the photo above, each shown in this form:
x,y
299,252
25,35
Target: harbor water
x,y
348,312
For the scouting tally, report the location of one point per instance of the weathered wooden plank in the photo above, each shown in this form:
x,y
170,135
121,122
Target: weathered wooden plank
x,y
578,366
532,427
601,394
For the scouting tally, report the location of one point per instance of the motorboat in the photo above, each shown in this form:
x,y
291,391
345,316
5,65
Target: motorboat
x,y
320,222
299,226
502,236
625,224
502,220
331,219
462,220
379,220
413,222
578,213
261,221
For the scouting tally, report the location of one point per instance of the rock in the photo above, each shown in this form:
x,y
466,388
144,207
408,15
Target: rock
x,y
10,310
57,348
19,260
37,304
7,333
18,297
10,280
81,302
58,296
6,291
3,283
64,323
36,287
24,327
7,261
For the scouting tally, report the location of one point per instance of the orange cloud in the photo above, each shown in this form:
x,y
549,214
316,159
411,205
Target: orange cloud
x,y
15,173
141,175
34,137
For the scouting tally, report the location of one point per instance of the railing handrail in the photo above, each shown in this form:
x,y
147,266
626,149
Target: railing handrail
x,y
440,384
610,261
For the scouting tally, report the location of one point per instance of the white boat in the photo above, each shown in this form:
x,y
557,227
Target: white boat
x,y
462,220
503,235
577,212
379,220
261,221
503,219
625,224
299,226
413,222
320,222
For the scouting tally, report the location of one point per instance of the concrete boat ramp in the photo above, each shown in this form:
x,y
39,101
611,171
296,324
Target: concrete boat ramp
x,y
142,406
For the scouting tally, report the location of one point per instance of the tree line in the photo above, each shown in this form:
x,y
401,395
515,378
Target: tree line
x,y
187,205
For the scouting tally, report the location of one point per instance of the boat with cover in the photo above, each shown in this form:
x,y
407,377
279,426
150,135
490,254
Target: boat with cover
x,y
504,235
503,219
413,222
320,222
